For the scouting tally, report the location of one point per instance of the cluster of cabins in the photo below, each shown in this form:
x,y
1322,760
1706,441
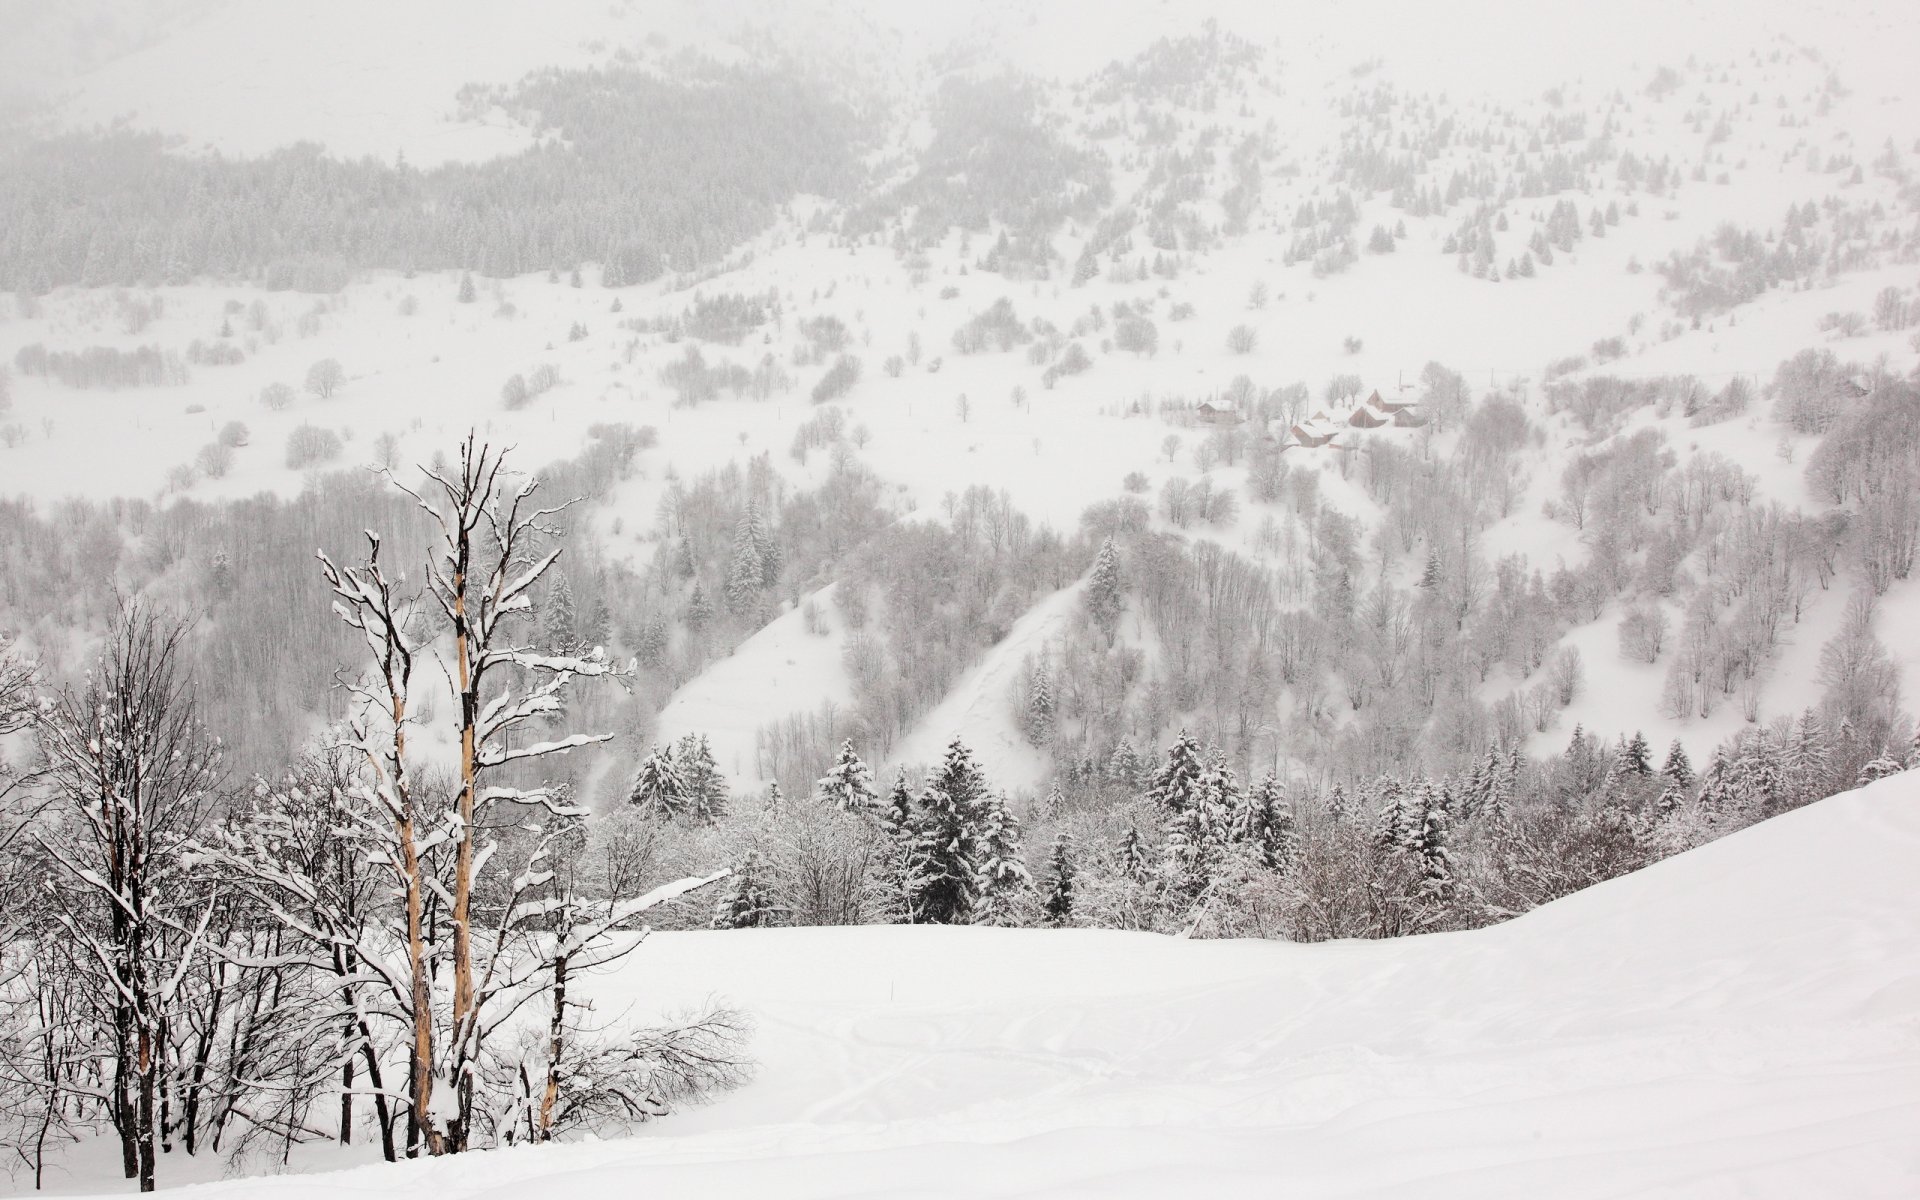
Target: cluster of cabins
x,y
1324,426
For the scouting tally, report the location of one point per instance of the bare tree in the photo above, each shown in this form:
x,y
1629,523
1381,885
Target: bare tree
x,y
134,775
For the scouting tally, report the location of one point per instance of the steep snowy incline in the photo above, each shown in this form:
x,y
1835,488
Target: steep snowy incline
x,y
1743,1020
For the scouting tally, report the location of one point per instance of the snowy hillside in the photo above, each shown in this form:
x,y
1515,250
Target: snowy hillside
x,y
1217,598
1737,1021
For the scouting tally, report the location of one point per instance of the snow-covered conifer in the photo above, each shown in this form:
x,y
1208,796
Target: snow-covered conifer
x,y
747,904
848,786
1177,786
1036,718
559,620
1105,588
1678,768
1061,870
1002,881
703,787
1639,755
657,787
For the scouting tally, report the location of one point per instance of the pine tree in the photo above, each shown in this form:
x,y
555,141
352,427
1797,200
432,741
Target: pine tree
x,y
1678,769
848,786
652,649
1105,588
1393,826
898,812
597,630
746,904
1504,785
1124,765
1197,831
467,294
1806,761
942,865
1265,821
1001,879
1717,796
699,609
940,877
1054,802
559,620
704,788
1429,839
657,787
744,576
1337,803
1037,718
1177,787
1060,875
1639,755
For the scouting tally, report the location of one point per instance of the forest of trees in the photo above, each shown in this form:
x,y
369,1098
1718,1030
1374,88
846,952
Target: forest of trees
x,y
638,173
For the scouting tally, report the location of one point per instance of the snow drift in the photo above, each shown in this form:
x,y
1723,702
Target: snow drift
x,y
1741,1020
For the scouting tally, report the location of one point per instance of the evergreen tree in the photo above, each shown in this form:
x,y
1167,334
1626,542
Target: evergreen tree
x,y
848,786
1060,875
1197,831
1037,718
657,787
1806,761
1678,768
467,294
898,812
756,561
1639,755
1177,787
1001,879
943,865
1394,825
746,904
1054,802
704,788
1337,802
940,877
652,649
1430,838
597,629
1125,767
1105,588
699,609
559,620
1265,821
1717,795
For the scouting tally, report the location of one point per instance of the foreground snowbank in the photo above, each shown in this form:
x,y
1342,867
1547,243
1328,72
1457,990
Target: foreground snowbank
x,y
1741,1020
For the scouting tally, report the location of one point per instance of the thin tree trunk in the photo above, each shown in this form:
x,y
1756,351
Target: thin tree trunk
x,y
556,1045
463,845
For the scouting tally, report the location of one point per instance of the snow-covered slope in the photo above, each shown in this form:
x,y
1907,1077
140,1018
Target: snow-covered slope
x,y
1743,1020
